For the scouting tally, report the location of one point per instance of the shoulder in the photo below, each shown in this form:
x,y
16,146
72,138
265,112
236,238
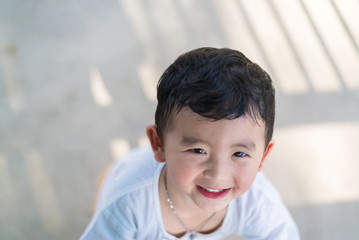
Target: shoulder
x,y
263,212
252,204
123,216
262,198
128,199
136,172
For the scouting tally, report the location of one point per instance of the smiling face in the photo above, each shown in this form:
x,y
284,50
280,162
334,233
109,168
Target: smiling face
x,y
209,163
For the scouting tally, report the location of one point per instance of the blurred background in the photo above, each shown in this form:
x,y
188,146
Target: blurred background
x,y
77,88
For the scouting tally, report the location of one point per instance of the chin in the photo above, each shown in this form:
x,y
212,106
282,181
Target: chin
x,y
213,205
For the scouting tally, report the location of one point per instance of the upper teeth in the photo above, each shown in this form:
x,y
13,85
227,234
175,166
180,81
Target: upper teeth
x,y
213,190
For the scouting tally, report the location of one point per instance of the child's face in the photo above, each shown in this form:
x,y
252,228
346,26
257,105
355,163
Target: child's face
x,y
210,163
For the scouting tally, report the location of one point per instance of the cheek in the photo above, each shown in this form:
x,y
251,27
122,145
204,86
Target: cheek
x,y
183,172
244,179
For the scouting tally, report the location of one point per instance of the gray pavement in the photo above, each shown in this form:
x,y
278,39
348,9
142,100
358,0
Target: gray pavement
x,y
77,81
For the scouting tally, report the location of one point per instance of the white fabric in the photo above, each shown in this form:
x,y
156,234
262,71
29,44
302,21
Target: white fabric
x,y
129,207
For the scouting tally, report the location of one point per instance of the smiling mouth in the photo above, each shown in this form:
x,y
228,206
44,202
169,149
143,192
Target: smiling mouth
x,y
213,193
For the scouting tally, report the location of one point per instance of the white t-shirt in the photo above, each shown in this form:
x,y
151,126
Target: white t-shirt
x,y
129,207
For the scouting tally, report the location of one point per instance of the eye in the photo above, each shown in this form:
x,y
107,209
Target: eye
x,y
198,151
240,154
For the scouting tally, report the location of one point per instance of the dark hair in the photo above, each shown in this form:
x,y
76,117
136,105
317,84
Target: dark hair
x,y
217,84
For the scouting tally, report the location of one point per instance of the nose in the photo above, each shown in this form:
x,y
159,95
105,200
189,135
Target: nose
x,y
217,168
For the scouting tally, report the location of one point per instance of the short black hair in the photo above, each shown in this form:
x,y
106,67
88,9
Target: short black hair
x,y
217,84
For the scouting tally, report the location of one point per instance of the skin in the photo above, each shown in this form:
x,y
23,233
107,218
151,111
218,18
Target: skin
x,y
199,152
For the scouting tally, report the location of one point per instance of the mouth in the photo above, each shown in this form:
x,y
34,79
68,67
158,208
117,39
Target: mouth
x,y
213,193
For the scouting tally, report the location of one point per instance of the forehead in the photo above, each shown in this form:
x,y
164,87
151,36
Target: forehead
x,y
187,115
190,126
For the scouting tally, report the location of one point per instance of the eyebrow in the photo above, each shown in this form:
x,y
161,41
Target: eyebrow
x,y
187,140
249,145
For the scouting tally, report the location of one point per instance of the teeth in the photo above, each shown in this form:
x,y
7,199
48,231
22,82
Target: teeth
x,y
213,190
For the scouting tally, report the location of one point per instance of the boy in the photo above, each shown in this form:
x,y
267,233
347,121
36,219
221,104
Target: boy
x,y
214,123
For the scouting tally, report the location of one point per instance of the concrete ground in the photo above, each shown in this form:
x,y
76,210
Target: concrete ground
x,y
77,88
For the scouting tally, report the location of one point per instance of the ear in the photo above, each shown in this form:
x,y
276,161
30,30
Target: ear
x,y
156,143
266,153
